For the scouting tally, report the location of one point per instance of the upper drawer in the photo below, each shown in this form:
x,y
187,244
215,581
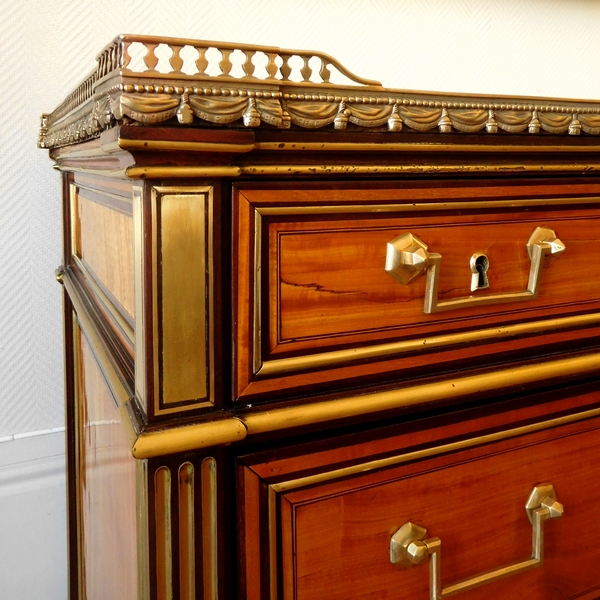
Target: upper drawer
x,y
314,304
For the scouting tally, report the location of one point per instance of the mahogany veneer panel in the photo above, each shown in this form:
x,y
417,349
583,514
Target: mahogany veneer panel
x,y
310,278
328,278
333,537
105,244
473,502
107,519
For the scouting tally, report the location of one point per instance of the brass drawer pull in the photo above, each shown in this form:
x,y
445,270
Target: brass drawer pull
x,y
408,547
407,257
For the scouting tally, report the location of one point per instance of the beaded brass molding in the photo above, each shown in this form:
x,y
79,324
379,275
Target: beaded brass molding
x,y
181,78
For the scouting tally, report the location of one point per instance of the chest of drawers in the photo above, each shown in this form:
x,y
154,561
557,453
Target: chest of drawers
x,y
313,330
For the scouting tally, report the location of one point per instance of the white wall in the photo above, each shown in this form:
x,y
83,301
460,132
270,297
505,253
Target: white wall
x,y
538,47
33,518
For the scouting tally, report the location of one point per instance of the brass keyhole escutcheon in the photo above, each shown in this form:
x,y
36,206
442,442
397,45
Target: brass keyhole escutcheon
x,y
479,264
407,257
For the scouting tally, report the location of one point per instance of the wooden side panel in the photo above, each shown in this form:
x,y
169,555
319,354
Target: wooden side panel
x,y
107,248
107,490
103,241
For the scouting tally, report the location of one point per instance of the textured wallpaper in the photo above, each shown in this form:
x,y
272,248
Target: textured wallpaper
x,y
538,47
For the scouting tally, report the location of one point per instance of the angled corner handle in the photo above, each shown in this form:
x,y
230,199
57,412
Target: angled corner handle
x,y
408,547
407,257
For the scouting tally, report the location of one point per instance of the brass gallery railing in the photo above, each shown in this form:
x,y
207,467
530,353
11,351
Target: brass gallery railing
x,y
153,79
172,58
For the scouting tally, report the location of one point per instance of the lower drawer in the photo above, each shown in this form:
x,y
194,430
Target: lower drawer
x,y
325,533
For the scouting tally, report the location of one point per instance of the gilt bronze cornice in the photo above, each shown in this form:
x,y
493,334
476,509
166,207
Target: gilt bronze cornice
x,y
149,80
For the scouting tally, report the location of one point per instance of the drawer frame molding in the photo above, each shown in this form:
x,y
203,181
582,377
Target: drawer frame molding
x,y
264,368
279,489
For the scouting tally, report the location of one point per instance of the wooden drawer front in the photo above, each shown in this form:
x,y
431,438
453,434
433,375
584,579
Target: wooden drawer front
x,y
315,305
333,538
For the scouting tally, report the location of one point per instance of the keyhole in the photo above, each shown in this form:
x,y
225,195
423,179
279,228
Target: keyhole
x,y
479,267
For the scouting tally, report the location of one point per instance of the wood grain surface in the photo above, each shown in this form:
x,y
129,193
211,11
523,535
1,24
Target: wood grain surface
x,y
323,288
473,503
107,476
106,246
334,536
326,279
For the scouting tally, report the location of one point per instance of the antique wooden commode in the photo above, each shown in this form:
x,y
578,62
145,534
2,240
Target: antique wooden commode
x,y
313,330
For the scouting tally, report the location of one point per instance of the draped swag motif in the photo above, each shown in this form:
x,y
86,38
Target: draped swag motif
x,y
314,114
311,115
218,110
366,115
147,108
590,123
316,111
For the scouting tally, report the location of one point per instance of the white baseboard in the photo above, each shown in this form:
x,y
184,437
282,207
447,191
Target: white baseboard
x,y
30,461
33,540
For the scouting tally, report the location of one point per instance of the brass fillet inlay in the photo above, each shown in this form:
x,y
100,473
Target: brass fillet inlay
x,y
75,241
166,171
429,452
415,147
460,387
256,324
139,266
210,571
272,516
331,359
383,169
425,206
182,264
187,557
182,408
166,145
78,429
188,437
143,535
162,515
